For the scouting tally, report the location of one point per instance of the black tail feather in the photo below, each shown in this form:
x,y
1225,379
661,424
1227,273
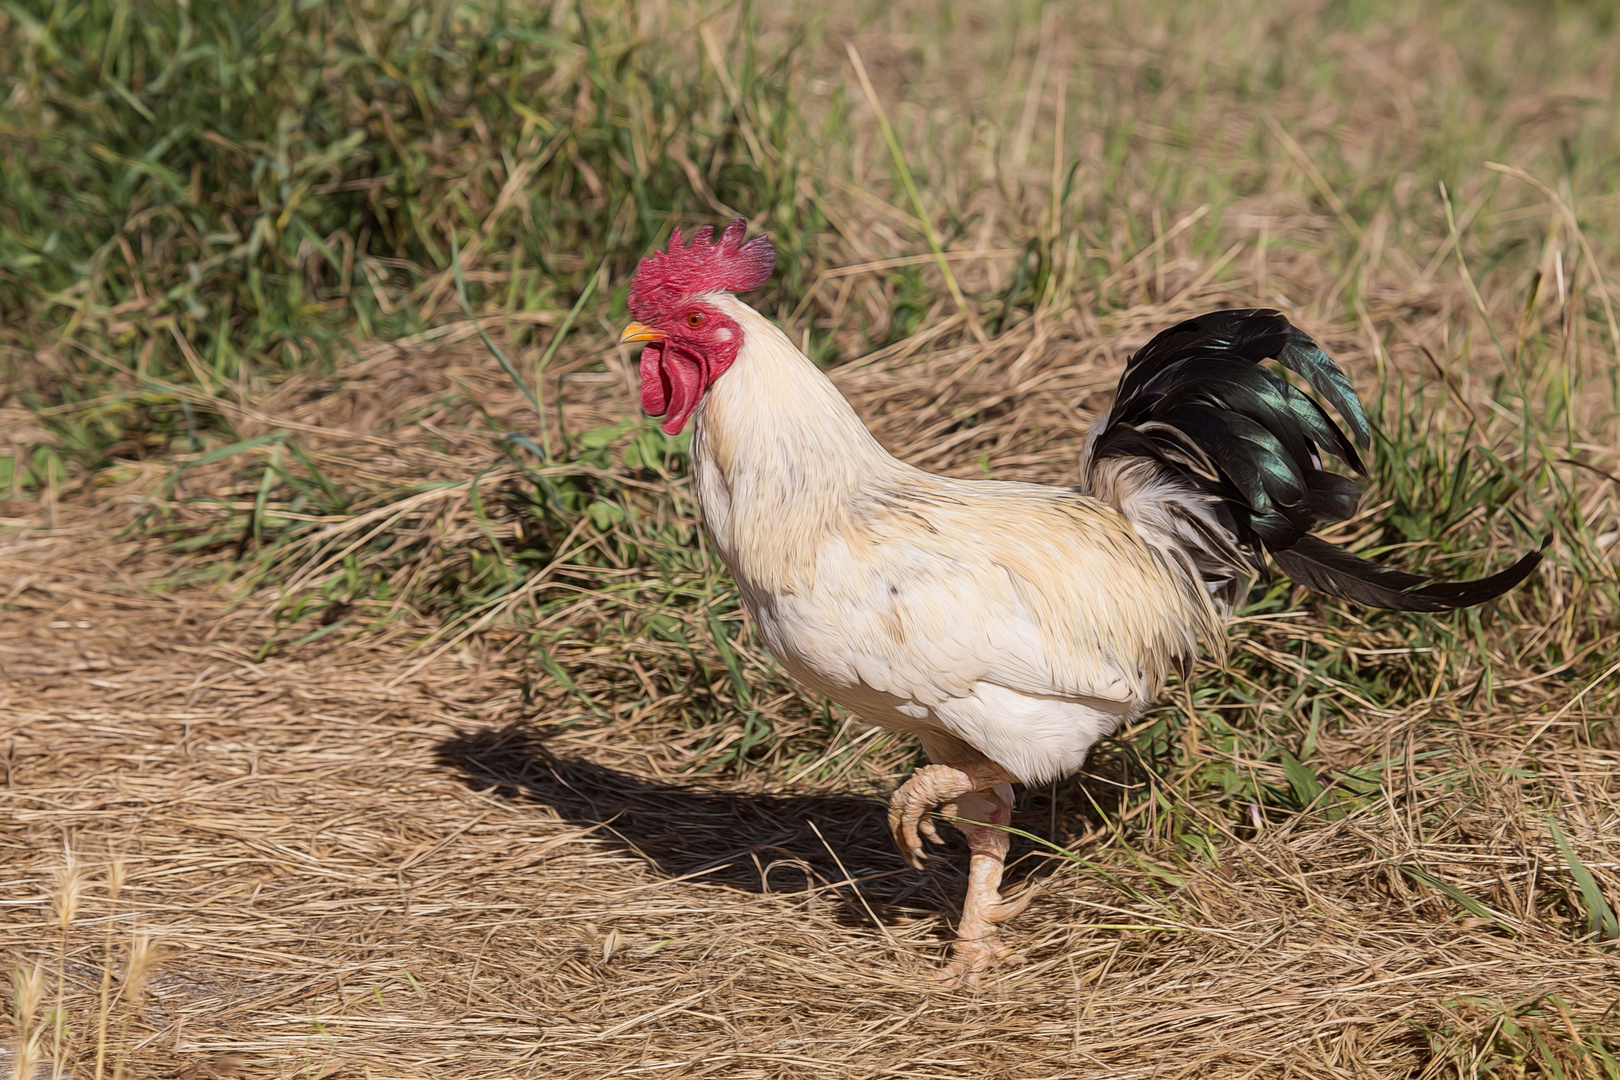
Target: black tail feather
x,y
1238,451
1317,564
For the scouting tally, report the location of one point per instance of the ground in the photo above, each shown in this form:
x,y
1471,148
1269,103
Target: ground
x,y
360,720
357,865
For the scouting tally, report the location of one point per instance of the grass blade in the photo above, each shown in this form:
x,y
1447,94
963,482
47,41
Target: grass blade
x,y
489,343
1600,917
1462,899
904,171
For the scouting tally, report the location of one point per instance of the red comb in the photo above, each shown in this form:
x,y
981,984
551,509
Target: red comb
x,y
725,265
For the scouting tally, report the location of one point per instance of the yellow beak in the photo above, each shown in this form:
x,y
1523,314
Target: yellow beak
x,y
641,332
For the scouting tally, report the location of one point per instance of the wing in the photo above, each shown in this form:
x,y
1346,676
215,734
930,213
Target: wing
x,y
1038,590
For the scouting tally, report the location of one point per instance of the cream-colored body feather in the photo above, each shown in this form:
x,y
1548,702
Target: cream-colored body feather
x,y
1011,621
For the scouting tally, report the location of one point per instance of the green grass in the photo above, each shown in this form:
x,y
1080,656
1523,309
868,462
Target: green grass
x,y
1536,1038
267,181
264,182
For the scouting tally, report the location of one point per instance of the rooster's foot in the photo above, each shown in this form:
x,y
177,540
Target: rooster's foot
x,y
935,786
973,958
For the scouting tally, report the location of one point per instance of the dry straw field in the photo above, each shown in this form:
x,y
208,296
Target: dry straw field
x,y
360,719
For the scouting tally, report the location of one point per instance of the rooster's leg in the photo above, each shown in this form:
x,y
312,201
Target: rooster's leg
x,y
984,817
979,795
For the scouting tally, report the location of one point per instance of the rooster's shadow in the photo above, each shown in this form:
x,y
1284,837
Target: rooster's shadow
x,y
828,846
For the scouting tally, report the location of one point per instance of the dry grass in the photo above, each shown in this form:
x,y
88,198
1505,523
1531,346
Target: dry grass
x,y
351,876
362,742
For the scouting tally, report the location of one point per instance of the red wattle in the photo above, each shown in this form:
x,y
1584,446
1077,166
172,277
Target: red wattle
x,y
654,386
672,384
686,384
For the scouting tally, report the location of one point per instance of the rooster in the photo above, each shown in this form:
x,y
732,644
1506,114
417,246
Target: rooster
x,y
1009,626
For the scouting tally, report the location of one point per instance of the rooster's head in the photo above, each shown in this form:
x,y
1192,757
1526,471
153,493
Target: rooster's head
x,y
689,342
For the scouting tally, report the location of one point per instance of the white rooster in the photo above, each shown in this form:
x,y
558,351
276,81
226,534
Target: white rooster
x,y
1009,626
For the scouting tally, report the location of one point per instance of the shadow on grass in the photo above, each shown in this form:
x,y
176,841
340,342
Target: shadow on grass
x,y
758,843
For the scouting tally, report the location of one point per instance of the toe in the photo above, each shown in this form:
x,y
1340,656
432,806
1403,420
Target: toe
x,y
903,825
911,845
926,826
972,958
1005,909
912,804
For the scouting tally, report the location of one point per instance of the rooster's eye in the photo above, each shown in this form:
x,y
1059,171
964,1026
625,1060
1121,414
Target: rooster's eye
x,y
695,319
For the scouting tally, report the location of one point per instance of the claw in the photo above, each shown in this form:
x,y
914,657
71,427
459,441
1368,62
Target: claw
x,y
911,805
905,821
